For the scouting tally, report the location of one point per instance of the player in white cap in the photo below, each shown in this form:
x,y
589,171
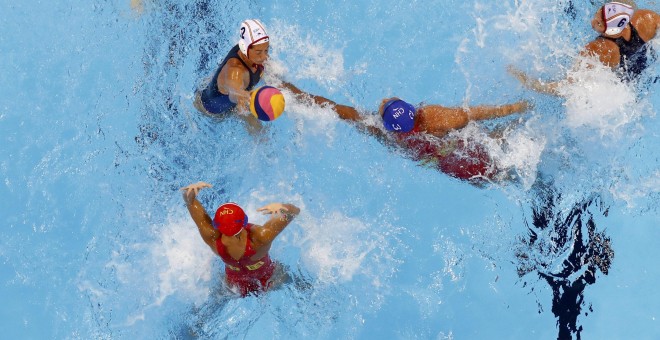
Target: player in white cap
x,y
622,45
237,74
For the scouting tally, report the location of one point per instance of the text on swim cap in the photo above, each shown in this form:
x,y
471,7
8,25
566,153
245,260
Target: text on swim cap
x,y
398,112
226,211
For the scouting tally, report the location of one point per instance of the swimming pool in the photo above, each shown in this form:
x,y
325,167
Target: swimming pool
x,y
100,133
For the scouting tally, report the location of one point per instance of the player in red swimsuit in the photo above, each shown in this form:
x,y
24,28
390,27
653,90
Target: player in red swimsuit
x,y
422,134
242,246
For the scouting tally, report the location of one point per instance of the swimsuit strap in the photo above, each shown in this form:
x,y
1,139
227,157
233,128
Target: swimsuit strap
x,y
629,47
633,60
255,77
249,251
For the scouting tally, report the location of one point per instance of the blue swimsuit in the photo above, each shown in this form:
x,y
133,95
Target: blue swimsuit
x,y
218,103
634,58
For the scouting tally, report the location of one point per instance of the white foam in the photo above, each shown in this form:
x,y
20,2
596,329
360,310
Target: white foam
x,y
519,148
175,262
537,28
523,151
314,60
335,247
185,261
311,119
596,99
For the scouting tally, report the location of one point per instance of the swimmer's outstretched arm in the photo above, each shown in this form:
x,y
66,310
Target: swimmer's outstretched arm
x,y
344,112
440,120
281,215
485,112
198,214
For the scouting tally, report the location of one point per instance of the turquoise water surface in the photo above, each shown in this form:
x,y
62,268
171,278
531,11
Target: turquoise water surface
x,y
99,133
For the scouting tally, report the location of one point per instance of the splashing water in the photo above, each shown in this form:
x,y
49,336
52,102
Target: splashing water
x,y
100,133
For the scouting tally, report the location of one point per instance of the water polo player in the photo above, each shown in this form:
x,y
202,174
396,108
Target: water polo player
x,y
237,74
242,246
622,45
409,129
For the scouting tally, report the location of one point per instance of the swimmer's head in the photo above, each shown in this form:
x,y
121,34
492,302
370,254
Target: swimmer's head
x,y
613,17
253,36
230,219
398,115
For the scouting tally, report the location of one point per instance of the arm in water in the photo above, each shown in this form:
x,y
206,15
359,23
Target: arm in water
x,y
344,112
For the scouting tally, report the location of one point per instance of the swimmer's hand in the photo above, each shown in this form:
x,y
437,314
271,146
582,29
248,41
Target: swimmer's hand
x,y
284,212
273,208
191,191
522,106
532,84
518,74
243,100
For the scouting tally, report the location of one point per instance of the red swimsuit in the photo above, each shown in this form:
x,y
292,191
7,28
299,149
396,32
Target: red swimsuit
x,y
246,274
453,156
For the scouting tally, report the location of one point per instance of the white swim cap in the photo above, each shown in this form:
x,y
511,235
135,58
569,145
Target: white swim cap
x,y
616,17
252,33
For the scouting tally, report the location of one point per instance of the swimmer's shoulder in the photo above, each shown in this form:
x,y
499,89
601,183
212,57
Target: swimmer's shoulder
x,y
606,50
260,236
233,69
646,23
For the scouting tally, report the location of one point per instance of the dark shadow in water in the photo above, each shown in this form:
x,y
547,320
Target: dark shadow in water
x,y
570,10
566,250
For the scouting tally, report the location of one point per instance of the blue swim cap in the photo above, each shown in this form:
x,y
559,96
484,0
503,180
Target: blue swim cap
x,y
398,116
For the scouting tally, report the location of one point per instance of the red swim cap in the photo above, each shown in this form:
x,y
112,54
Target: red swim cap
x,y
230,219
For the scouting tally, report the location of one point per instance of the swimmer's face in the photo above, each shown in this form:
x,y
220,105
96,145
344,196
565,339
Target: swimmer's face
x,y
259,53
597,22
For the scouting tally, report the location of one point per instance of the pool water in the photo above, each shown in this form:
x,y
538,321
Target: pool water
x,y
99,133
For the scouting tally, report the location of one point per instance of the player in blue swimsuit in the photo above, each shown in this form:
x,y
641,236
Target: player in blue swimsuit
x,y
237,74
622,45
